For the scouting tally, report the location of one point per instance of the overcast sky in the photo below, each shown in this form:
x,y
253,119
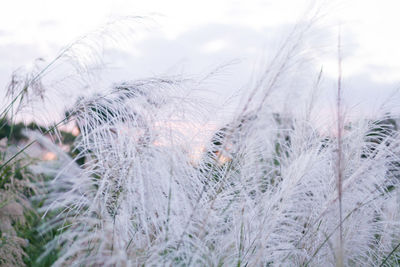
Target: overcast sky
x,y
192,37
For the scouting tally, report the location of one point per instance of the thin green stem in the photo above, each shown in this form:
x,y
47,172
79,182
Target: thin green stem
x,y
390,254
31,143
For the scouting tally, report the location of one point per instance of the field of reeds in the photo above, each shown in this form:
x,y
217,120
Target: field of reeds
x,y
144,180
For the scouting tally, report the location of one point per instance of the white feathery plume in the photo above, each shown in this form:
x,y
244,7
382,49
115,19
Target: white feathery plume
x,y
264,192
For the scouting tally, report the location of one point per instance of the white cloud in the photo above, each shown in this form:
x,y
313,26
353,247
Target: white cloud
x,y
370,40
214,46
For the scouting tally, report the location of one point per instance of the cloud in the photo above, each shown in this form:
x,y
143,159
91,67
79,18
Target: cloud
x,y
205,47
13,57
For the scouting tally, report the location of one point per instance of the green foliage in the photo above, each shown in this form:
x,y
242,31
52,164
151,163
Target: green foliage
x,y
17,186
36,240
11,131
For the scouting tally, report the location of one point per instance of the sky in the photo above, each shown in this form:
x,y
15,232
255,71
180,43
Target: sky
x,y
193,37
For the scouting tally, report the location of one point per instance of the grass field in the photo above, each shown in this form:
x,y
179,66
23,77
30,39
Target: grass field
x,y
133,187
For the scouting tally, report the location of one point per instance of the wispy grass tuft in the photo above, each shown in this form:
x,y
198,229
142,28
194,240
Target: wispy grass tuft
x,y
270,188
